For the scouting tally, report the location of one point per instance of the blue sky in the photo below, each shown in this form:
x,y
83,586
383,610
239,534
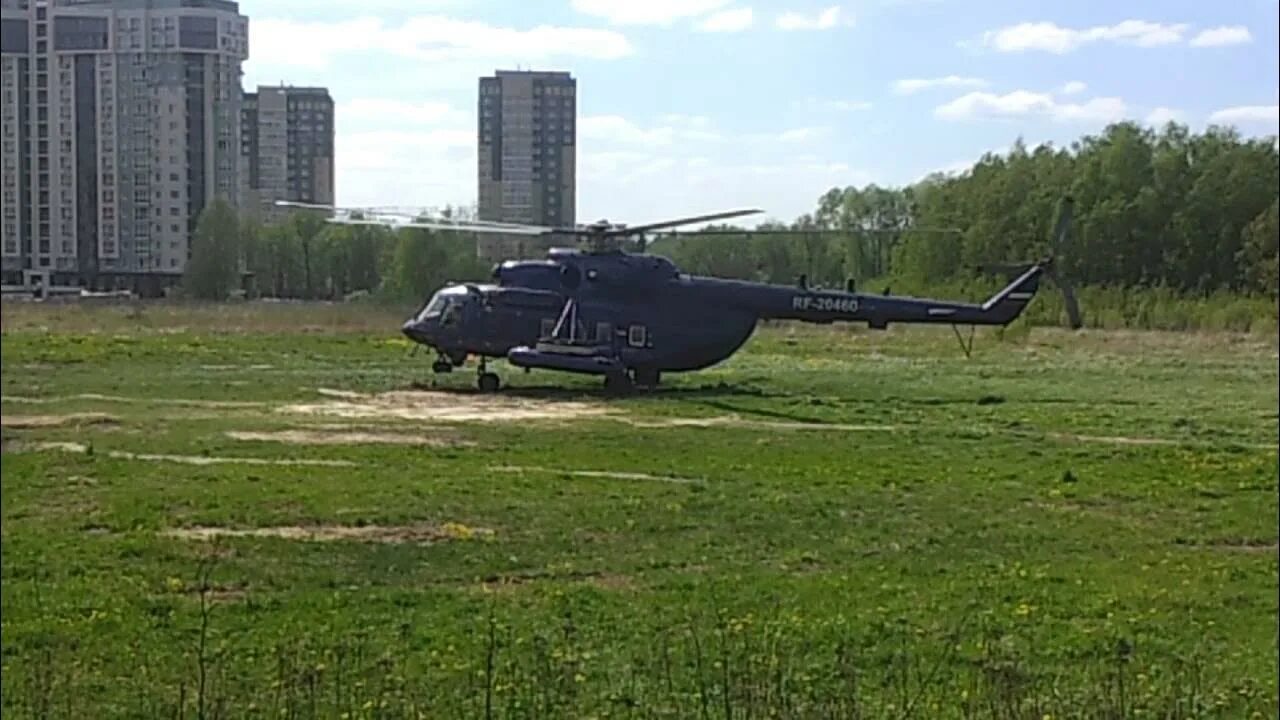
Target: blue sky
x,y
689,106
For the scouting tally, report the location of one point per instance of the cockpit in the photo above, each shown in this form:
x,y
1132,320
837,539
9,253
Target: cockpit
x,y
445,306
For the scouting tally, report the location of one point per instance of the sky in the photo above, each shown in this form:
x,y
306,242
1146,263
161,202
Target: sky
x,y
696,106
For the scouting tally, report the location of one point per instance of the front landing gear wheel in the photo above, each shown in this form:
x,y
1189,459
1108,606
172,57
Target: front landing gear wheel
x,y
441,366
617,384
488,382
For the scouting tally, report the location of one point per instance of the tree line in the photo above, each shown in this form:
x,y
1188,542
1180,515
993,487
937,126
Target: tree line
x,y
1192,214
300,256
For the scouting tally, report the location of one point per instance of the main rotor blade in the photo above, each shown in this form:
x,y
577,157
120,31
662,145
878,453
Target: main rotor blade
x,y
676,223
807,231
308,206
409,218
437,225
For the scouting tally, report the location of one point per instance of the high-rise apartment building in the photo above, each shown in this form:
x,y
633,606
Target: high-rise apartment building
x,y
287,135
120,123
527,150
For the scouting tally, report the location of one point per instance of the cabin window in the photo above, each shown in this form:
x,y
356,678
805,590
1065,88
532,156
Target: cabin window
x,y
604,333
636,336
548,326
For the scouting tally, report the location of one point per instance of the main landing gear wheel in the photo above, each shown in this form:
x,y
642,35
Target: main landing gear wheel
x,y
441,366
488,382
647,377
617,384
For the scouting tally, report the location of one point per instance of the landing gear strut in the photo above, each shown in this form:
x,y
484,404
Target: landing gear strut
x,y
446,361
487,382
624,382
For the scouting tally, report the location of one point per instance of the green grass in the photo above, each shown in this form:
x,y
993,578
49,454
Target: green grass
x,y
864,524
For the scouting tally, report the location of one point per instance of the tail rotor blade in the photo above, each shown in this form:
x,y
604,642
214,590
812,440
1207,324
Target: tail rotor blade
x,y
1068,300
1073,309
1063,227
1058,242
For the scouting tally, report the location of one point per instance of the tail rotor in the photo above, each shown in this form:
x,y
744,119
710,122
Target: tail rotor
x,y
1060,233
1052,269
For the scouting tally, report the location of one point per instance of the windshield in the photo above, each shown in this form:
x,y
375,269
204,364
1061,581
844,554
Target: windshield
x,y
444,303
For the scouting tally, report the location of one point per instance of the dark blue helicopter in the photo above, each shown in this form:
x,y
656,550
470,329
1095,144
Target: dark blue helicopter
x,y
632,316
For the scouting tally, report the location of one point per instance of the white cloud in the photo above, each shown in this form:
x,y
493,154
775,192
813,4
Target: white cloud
x,y
734,20
1022,103
1247,114
816,105
279,43
628,171
1075,87
406,168
911,86
796,135
693,121
1220,36
616,129
1053,38
647,12
825,20
386,111
638,187
1161,116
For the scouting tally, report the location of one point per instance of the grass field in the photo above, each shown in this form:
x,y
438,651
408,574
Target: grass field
x,y
269,511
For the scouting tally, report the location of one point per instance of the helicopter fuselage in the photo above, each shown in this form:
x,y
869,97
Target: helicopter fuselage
x,y
601,313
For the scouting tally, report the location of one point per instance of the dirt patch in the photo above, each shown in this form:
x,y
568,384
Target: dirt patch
x,y
1114,439
610,474
410,534
29,422
740,422
1148,441
447,407
312,437
189,459
1264,547
219,594
344,394
73,447
603,580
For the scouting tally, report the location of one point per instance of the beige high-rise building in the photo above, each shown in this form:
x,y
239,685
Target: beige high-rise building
x,y
120,123
288,136
527,157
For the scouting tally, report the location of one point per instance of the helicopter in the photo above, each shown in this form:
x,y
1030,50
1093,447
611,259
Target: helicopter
x,y
599,309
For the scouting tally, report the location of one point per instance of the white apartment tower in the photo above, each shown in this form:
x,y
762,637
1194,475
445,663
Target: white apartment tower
x,y
121,122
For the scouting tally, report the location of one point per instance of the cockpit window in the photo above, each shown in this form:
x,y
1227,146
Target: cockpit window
x,y
437,305
445,304
452,310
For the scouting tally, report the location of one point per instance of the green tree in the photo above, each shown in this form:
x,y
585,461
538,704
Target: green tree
x,y
1259,255
213,271
307,227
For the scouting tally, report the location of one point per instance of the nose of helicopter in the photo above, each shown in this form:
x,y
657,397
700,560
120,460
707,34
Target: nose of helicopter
x,y
417,330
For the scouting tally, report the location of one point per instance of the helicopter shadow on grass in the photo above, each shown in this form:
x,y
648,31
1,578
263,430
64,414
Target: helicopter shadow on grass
x,y
717,396
580,392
